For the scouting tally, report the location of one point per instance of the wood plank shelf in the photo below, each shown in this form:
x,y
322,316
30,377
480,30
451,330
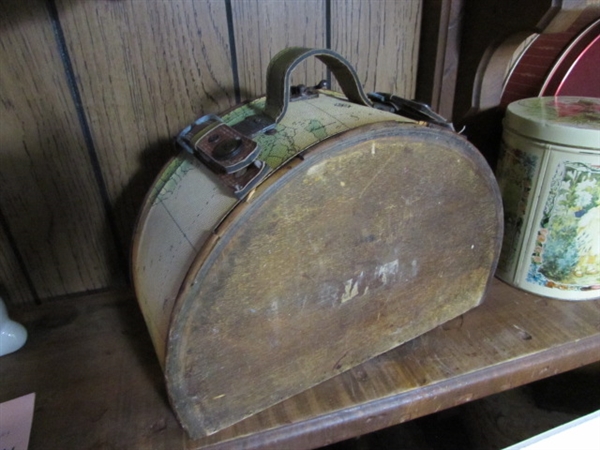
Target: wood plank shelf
x,y
98,383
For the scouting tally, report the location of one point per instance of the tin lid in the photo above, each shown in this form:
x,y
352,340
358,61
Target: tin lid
x,y
571,121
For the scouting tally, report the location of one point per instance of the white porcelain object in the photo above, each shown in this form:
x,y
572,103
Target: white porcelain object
x,y
12,334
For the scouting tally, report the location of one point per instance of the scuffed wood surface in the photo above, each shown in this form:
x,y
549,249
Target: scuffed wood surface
x,y
101,385
49,198
327,266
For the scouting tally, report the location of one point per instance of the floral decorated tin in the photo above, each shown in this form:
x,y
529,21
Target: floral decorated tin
x,y
549,175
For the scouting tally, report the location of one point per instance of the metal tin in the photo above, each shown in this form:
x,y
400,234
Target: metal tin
x,y
549,176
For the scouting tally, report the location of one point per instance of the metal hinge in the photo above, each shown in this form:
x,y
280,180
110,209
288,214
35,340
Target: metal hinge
x,y
302,92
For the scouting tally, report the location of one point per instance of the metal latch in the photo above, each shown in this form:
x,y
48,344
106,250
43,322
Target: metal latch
x,y
228,153
408,108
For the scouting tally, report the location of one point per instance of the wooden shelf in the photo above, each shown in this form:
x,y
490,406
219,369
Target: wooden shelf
x,y
98,383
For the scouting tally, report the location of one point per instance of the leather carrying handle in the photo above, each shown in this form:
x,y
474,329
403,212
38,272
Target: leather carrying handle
x,y
282,65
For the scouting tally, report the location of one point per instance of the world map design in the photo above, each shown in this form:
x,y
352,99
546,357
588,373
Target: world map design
x,y
306,123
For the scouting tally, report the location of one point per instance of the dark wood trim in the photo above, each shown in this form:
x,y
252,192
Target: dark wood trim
x,y
439,54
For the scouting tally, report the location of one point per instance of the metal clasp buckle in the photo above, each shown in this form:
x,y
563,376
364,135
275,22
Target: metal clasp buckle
x,y
228,153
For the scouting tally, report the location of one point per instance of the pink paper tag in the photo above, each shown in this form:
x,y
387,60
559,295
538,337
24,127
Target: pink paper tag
x,y
16,417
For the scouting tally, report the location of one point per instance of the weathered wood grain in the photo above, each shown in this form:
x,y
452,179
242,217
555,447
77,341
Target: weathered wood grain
x,y
336,259
186,204
49,195
14,288
145,70
264,27
381,39
102,386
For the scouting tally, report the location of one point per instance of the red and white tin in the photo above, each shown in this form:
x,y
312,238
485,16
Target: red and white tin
x,y
549,175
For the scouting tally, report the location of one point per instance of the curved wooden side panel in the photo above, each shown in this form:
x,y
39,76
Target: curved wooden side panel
x,y
187,201
372,238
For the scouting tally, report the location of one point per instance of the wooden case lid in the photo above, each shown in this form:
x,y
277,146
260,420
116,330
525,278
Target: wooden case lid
x,y
369,239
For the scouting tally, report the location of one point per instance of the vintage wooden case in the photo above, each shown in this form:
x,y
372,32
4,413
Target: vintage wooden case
x,y
354,230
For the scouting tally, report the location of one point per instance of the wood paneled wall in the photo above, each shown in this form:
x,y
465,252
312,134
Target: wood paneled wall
x,y
93,92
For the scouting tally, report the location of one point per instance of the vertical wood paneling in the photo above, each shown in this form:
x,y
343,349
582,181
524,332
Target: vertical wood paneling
x,y
48,193
380,38
93,93
13,282
264,27
145,70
